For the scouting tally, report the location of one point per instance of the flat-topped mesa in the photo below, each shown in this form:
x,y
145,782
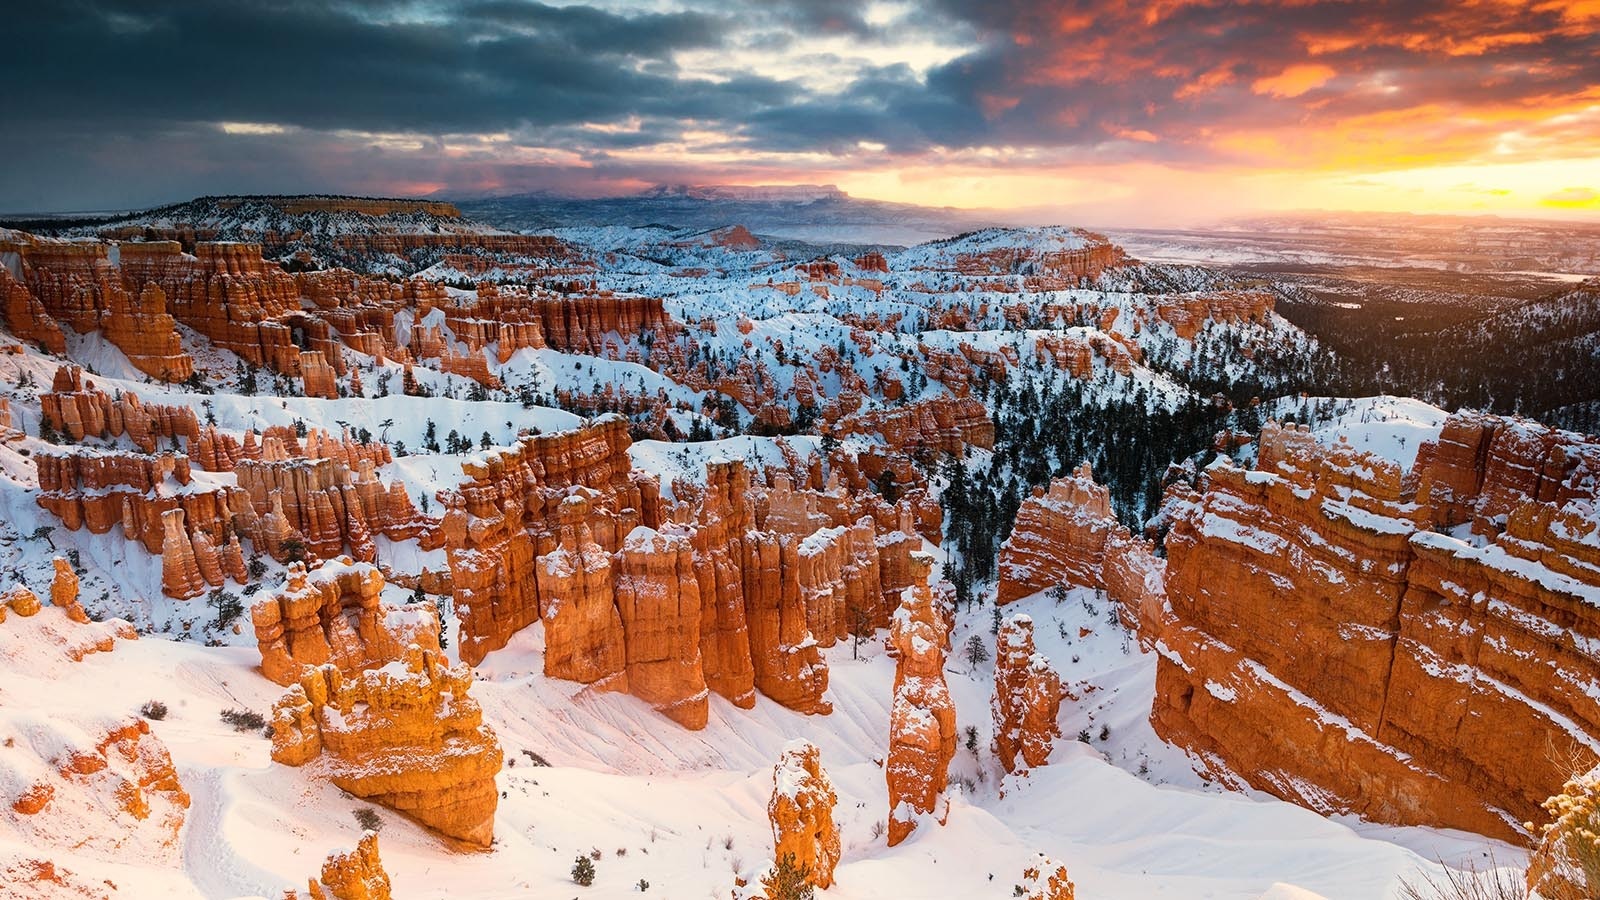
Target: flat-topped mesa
x,y
74,407
1323,648
507,511
1027,698
335,615
78,283
801,812
941,424
922,719
366,206
407,735
1043,259
349,875
1318,643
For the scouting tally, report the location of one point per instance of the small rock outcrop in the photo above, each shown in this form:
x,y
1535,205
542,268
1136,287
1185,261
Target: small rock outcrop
x,y
104,787
1045,879
350,875
801,811
64,591
407,736
922,720
39,636
1027,698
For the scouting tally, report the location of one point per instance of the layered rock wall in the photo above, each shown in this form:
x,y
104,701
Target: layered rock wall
x,y
77,283
941,424
76,409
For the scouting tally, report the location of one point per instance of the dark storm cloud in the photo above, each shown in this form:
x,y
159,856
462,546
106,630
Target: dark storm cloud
x,y
367,66
121,98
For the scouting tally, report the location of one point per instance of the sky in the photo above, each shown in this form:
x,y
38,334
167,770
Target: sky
x,y
1162,112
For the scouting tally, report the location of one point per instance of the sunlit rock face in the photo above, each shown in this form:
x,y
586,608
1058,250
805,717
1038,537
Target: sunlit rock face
x,y
922,718
801,812
406,735
335,615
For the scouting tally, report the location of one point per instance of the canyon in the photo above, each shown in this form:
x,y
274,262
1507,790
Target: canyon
x,y
538,547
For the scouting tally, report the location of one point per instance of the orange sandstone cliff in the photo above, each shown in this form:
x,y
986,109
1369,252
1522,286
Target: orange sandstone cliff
x,y
1356,637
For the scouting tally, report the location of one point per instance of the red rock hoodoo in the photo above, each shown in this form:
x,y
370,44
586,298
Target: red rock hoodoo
x,y
922,720
335,615
352,875
801,811
407,736
1027,698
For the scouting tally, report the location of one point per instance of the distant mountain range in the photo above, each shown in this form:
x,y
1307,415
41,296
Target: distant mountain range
x,y
809,212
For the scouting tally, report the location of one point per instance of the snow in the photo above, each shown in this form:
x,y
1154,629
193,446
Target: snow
x,y
1385,426
689,807
1126,813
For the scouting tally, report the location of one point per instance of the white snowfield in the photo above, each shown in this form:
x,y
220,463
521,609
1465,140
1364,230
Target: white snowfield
x,y
686,810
